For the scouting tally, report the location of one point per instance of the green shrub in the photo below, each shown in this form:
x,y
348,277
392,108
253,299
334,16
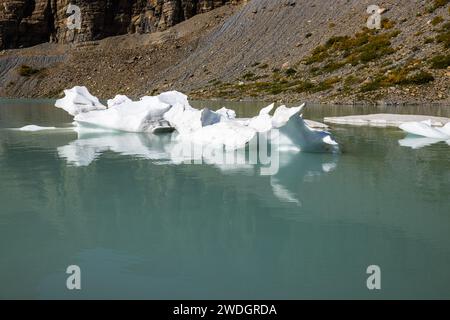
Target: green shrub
x,y
387,24
437,20
421,77
248,76
399,76
364,47
444,38
437,4
440,62
351,80
440,3
27,71
290,72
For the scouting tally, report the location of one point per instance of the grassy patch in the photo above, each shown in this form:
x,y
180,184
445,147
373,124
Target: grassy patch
x,y
440,62
387,24
290,72
437,20
406,75
249,76
27,71
444,36
437,4
364,47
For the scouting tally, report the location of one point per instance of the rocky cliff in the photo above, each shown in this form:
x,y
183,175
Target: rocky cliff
x,y
28,22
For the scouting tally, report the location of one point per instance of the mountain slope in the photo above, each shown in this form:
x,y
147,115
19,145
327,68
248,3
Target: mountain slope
x,y
288,50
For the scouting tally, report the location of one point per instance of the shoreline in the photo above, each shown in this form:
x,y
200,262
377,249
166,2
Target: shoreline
x,y
264,100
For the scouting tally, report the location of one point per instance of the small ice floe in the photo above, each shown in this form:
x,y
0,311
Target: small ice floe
x,y
424,134
78,100
425,129
385,120
33,128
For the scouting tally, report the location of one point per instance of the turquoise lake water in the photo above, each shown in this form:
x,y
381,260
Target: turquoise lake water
x,y
150,229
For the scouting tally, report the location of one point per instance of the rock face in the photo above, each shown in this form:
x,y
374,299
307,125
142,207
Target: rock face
x,y
29,22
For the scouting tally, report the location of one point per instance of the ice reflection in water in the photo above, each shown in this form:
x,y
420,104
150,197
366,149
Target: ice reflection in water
x,y
294,168
417,142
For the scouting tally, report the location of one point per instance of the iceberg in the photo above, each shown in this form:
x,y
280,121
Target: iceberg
x,y
425,129
423,133
171,111
78,100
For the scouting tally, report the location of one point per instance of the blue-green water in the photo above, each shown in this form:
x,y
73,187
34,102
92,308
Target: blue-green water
x,y
143,228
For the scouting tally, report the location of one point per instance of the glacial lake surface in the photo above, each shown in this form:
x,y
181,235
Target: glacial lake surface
x,y
140,226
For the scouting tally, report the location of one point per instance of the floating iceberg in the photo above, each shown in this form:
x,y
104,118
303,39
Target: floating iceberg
x,y
33,128
171,111
424,134
79,100
425,129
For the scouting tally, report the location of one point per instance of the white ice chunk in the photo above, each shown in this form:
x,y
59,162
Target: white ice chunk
x,y
283,114
424,129
445,129
230,135
78,100
267,109
136,116
187,120
33,127
118,100
262,122
172,98
226,114
302,136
